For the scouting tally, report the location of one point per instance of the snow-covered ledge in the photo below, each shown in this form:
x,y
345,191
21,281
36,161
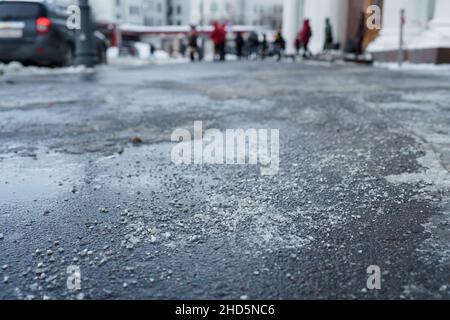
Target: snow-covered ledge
x,y
389,39
438,34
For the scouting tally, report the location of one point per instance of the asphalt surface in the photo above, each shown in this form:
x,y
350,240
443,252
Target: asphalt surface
x,y
363,180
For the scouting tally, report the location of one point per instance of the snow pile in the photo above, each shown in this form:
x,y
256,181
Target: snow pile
x,y
144,57
423,67
162,57
143,50
16,68
112,53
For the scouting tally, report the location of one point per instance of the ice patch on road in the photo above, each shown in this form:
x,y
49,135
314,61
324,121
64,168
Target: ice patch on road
x,y
433,179
427,99
405,106
434,175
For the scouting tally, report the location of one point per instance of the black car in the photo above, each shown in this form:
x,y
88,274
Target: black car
x,y
36,33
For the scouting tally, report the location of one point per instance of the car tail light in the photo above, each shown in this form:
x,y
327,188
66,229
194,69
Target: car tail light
x,y
43,25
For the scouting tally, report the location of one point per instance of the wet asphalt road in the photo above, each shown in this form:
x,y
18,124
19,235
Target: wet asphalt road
x,y
363,180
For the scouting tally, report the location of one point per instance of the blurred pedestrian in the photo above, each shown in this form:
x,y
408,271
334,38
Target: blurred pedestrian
x,y
218,37
152,49
297,45
253,45
223,42
193,44
279,45
360,35
264,47
183,47
329,41
240,43
305,37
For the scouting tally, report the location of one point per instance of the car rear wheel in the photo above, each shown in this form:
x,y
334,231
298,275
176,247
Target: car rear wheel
x,y
102,59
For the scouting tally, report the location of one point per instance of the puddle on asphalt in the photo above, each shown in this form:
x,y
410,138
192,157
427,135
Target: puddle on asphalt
x,y
27,179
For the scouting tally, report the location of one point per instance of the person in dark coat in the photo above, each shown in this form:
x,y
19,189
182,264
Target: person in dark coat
x,y
360,35
193,43
279,45
240,43
253,45
264,47
297,45
329,41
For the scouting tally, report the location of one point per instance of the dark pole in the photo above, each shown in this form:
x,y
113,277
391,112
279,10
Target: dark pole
x,y
85,50
400,45
202,35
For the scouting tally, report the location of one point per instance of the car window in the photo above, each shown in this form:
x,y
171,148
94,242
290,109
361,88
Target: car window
x,y
15,10
60,11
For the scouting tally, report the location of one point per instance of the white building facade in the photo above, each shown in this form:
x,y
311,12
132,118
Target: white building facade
x,y
189,12
139,12
243,12
426,28
426,31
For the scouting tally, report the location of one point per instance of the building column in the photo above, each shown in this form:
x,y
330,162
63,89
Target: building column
x,y
415,24
195,16
317,11
291,18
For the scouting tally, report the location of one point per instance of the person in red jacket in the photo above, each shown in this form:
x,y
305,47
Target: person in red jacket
x,y
218,37
305,36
